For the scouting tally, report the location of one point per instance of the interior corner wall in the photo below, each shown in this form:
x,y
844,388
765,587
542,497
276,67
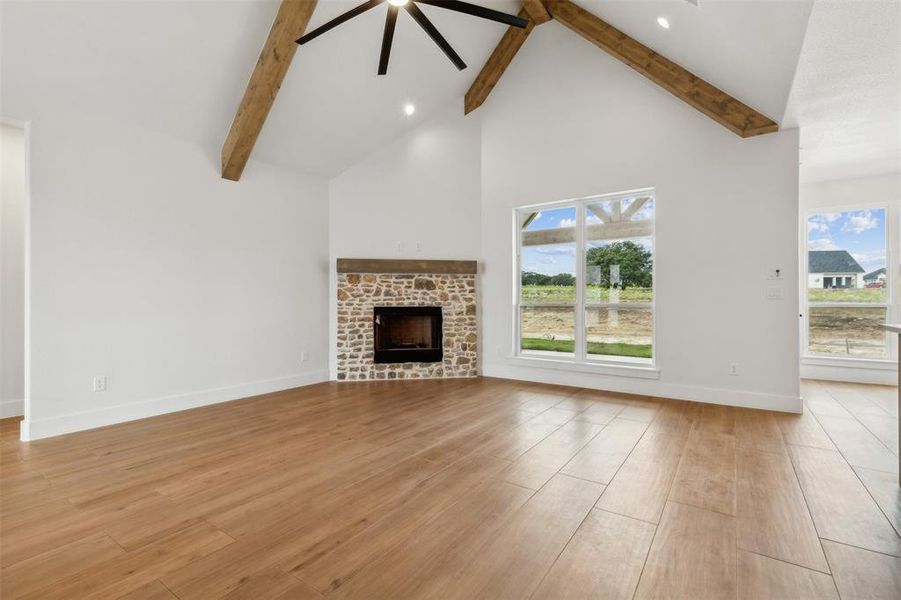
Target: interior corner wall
x,y
181,288
12,270
839,194
568,121
418,197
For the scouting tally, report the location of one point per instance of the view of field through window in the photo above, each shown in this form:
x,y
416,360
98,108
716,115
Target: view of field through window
x,y
548,292
617,285
847,284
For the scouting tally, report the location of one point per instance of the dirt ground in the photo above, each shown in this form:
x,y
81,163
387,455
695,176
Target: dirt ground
x,y
604,325
847,331
833,331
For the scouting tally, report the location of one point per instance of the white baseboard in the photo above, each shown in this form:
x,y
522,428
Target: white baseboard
x,y
12,408
707,395
44,428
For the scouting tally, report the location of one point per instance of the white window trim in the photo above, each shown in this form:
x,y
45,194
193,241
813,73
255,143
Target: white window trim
x,y
642,371
829,360
820,360
579,360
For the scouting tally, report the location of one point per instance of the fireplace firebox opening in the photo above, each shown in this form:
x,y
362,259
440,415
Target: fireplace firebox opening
x,y
407,334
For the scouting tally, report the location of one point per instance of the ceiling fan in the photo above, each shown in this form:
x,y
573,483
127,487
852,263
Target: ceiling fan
x,y
414,11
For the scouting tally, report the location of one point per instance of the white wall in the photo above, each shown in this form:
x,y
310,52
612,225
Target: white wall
x,y
567,121
185,289
182,288
418,197
849,193
12,270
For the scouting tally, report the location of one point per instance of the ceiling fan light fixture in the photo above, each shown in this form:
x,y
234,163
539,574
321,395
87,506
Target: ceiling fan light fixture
x,y
412,8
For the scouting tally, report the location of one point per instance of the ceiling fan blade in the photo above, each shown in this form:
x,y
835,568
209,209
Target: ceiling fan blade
x,y
338,20
387,38
478,11
436,36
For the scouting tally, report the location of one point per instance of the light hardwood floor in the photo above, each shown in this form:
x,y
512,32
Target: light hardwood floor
x,y
480,488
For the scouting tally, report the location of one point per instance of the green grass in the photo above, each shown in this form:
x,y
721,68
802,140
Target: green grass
x,y
566,294
847,295
610,349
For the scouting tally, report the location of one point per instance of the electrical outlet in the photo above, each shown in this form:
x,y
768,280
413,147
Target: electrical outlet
x,y
733,368
400,247
100,383
418,246
303,356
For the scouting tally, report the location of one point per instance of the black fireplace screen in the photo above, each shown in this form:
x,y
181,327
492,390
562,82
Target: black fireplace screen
x,y
407,334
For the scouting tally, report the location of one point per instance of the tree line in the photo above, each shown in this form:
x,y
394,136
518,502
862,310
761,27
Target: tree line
x,y
635,268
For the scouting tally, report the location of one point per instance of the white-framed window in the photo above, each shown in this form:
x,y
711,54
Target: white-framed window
x,y
847,284
584,289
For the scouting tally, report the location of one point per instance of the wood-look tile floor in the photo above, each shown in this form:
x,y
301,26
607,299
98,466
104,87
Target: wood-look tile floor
x,y
479,488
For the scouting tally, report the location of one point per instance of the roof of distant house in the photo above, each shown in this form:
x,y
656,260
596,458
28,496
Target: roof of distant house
x,y
874,275
832,261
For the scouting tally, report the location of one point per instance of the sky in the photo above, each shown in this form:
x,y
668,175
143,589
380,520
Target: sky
x,y
561,258
860,232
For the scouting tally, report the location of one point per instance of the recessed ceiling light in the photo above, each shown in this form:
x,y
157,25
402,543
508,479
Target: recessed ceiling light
x,y
662,21
409,109
397,2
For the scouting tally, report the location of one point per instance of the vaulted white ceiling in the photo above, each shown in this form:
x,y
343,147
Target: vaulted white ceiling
x,y
846,98
180,67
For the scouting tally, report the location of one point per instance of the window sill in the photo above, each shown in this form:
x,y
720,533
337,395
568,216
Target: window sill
x,y
882,364
617,370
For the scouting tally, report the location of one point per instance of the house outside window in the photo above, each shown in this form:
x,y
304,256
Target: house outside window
x,y
848,288
584,282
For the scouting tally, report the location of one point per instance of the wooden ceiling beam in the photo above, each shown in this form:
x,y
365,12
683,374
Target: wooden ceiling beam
x,y
265,81
497,63
538,14
710,100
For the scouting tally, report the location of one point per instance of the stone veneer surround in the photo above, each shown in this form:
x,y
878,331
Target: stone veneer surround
x,y
359,293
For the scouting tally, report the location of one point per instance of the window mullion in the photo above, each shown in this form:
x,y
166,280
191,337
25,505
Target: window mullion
x,y
579,321
517,287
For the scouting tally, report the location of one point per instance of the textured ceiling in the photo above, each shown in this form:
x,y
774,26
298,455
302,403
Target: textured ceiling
x,y
847,92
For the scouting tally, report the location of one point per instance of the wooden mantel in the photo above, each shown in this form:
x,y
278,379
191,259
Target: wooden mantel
x,y
398,265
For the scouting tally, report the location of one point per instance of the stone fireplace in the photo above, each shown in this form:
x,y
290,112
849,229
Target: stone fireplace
x,y
406,319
